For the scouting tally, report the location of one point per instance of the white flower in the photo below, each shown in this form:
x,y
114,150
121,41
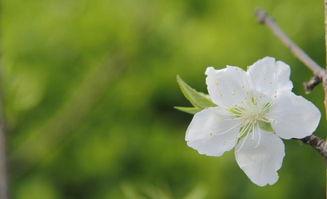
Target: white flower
x,y
255,109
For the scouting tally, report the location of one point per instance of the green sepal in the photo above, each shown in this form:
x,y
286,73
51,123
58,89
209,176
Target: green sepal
x,y
190,110
266,126
197,99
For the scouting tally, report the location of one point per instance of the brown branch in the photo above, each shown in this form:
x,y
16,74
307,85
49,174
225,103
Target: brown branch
x,y
312,83
320,74
325,79
317,143
265,19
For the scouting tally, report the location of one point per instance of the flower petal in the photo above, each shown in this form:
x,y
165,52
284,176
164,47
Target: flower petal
x,y
260,156
212,133
228,86
293,116
270,76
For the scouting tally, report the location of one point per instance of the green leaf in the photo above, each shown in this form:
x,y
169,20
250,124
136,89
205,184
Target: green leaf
x,y
190,110
197,99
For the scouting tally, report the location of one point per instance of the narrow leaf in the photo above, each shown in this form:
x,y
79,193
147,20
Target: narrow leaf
x,y
196,98
190,110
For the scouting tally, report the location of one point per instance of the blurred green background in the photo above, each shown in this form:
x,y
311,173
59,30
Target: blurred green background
x,y
90,87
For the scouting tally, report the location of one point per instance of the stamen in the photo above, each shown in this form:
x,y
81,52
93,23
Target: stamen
x,y
252,112
232,118
266,107
263,119
243,142
254,101
245,129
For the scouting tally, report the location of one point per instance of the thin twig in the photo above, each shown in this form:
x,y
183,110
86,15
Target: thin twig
x,y
320,74
265,19
325,78
317,143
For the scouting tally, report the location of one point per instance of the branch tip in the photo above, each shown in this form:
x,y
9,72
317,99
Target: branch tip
x,y
261,15
264,18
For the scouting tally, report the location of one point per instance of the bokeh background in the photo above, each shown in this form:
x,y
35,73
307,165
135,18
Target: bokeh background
x,y
90,86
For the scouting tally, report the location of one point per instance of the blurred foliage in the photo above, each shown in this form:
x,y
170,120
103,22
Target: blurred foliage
x,y
90,88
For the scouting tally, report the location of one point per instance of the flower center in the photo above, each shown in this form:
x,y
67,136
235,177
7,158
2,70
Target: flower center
x,y
252,113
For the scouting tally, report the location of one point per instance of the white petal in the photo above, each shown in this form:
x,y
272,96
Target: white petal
x,y
270,76
212,133
260,162
228,86
293,116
